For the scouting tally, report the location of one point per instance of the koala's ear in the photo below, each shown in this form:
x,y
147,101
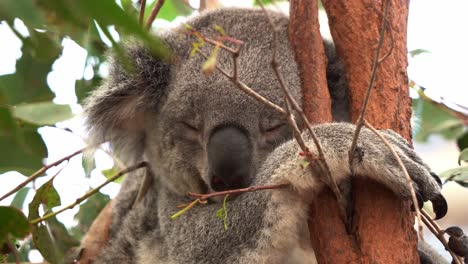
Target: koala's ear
x,y
117,110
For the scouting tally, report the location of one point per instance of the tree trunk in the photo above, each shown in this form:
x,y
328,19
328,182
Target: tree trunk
x,y
383,224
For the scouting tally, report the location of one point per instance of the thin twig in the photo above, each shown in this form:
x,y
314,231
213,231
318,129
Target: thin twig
x,y
246,89
154,13
390,31
405,172
206,196
91,192
218,42
439,233
40,172
375,63
142,11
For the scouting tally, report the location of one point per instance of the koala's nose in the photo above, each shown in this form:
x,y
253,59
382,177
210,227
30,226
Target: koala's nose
x,y
229,158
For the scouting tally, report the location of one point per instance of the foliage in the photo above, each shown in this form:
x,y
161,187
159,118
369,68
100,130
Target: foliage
x,y
26,104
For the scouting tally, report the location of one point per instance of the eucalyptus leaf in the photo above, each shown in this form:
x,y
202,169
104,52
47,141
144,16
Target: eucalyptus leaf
x,y
111,172
47,196
457,174
22,147
19,198
463,156
43,113
416,52
434,120
462,141
13,222
90,209
22,9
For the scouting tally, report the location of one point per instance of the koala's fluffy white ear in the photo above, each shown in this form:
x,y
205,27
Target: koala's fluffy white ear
x,y
115,112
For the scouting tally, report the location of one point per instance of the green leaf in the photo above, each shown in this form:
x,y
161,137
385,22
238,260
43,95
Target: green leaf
x,y
13,222
458,175
22,147
42,113
108,13
88,164
50,237
303,163
463,156
52,240
435,120
29,82
416,52
46,45
111,172
20,196
220,30
90,209
84,87
47,196
22,9
462,142
210,64
222,213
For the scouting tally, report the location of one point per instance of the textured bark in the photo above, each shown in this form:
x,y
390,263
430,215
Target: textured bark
x,y
304,36
383,224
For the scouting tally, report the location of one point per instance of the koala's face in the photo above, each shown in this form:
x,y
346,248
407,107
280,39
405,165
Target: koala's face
x,y
199,133
211,136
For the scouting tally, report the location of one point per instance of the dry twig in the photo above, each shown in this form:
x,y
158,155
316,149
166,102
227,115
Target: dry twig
x,y
40,172
206,196
142,11
153,14
439,233
91,192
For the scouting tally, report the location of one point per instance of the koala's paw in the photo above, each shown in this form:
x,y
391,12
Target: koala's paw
x,y
427,184
375,160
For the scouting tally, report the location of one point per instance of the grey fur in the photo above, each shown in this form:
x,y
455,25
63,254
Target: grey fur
x,y
165,113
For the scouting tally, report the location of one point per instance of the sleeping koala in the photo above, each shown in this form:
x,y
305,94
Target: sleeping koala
x,y
201,134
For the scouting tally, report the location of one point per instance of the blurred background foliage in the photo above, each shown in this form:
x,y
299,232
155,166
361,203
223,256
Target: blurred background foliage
x,y
27,104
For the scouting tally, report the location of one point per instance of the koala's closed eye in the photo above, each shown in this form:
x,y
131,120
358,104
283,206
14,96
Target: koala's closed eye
x,y
190,130
274,130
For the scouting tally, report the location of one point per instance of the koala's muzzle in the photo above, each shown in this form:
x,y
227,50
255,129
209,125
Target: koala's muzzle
x,y
229,158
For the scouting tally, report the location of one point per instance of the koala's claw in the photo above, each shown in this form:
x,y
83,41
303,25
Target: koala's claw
x,y
437,178
440,207
420,200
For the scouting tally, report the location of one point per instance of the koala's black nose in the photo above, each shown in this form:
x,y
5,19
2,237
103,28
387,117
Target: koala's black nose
x,y
229,158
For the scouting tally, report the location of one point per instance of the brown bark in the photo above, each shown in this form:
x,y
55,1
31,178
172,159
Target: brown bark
x,y
383,224
304,36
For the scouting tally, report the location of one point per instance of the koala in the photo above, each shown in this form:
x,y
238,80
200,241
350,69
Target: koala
x,y
201,134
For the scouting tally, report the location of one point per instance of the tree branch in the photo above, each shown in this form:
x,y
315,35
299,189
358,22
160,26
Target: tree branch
x,y
142,11
91,192
154,13
439,233
40,172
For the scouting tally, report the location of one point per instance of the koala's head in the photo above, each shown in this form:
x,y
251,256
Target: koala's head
x,y
199,133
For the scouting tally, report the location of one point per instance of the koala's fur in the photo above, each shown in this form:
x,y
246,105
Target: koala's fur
x,y
167,113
